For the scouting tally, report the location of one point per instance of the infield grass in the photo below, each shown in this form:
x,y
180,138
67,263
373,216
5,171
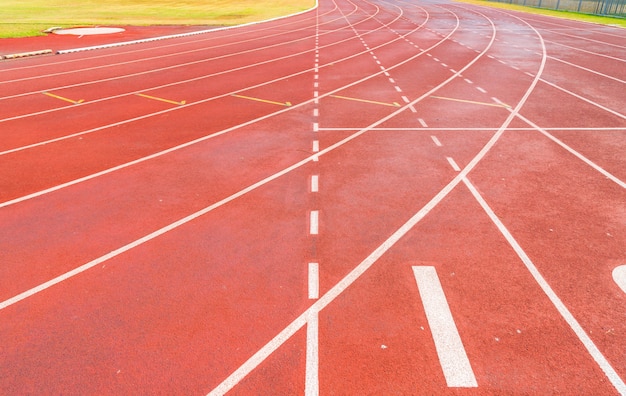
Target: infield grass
x,y
21,18
559,14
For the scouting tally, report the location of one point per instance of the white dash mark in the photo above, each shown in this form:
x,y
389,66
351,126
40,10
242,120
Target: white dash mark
x,y
453,164
315,183
314,226
412,109
391,80
398,89
444,64
422,123
314,281
406,100
436,141
311,386
316,113
316,146
481,90
467,80
452,356
316,127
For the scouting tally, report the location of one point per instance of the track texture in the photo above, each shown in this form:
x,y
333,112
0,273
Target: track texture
x,y
249,210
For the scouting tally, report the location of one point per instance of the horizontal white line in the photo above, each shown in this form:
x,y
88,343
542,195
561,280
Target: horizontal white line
x,y
582,129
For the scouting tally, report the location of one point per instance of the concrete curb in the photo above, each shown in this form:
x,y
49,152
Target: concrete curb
x,y
26,54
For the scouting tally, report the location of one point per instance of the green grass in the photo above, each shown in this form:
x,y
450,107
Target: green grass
x,y
21,18
559,14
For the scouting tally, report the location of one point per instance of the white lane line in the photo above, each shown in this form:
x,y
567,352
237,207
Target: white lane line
x,y
412,108
574,152
316,146
481,90
398,88
422,123
436,141
467,80
453,164
454,361
315,183
314,222
316,113
316,125
311,386
619,276
593,350
405,99
314,281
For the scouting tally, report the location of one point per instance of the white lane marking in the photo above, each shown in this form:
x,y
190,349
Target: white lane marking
x,y
593,350
398,88
314,281
467,80
481,90
422,123
412,108
454,361
436,141
444,64
574,152
315,186
314,222
316,125
316,146
316,113
619,276
453,164
391,80
406,100
311,386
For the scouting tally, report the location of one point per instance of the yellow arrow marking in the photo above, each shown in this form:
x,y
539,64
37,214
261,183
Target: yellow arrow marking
x,y
471,101
64,99
263,100
394,104
162,100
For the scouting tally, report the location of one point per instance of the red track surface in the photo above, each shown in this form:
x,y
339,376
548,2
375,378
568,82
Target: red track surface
x,y
167,208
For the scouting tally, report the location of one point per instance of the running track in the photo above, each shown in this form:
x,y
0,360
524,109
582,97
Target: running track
x,y
373,197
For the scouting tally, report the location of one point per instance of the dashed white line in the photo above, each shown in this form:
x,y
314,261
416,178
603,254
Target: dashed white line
x,y
453,164
315,183
454,361
422,122
316,146
436,141
314,289
314,222
481,89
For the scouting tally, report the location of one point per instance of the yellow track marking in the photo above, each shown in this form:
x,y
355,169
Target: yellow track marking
x,y
471,101
263,100
64,99
162,100
394,104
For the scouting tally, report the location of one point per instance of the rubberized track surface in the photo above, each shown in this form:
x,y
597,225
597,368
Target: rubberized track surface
x,y
369,198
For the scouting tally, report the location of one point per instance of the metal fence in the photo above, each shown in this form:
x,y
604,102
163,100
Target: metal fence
x,y
598,7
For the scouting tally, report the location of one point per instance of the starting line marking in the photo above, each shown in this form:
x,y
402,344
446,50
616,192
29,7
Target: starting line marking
x,y
394,104
64,99
471,102
287,104
452,356
619,276
162,100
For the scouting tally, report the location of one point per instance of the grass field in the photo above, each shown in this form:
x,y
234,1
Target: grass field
x,y
559,14
21,18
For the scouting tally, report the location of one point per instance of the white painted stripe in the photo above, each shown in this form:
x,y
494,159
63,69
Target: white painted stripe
x,y
316,113
406,100
316,146
467,80
422,123
452,356
453,71
593,350
311,386
481,90
581,157
444,64
436,141
453,164
398,89
391,80
412,109
619,276
314,222
316,84
316,126
314,279
315,183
